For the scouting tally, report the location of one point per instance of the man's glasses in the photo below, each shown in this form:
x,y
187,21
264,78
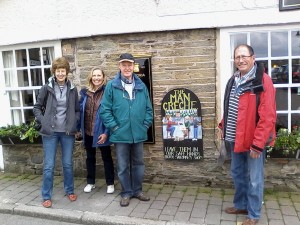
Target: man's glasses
x,y
243,57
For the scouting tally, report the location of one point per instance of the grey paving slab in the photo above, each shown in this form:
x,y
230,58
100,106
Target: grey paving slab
x,y
169,204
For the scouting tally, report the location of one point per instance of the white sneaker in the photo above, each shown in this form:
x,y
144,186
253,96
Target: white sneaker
x,y
88,188
110,189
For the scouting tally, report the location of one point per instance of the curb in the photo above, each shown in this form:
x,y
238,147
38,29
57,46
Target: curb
x,y
78,217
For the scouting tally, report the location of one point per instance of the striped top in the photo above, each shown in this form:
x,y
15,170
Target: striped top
x,y
236,90
232,115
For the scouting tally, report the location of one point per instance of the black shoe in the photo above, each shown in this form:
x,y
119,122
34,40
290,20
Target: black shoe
x,y
124,201
143,197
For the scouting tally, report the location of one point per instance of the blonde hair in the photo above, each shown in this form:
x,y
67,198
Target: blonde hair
x,y
89,83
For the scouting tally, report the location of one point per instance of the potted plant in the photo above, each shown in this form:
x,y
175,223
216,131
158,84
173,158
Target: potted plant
x,y
19,134
287,144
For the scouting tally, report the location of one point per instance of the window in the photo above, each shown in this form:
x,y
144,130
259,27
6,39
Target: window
x,y
279,51
24,69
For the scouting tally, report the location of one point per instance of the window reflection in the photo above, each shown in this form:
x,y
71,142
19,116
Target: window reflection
x,y
296,43
282,121
295,119
16,115
279,43
34,57
282,98
21,58
8,60
258,40
265,65
48,55
10,79
27,96
36,77
28,114
23,78
296,70
237,39
14,98
279,72
295,98
47,73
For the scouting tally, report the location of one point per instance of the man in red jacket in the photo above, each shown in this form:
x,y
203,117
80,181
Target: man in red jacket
x,y
248,125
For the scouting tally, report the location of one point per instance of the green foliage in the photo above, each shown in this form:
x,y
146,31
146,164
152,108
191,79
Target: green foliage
x,y
23,131
287,142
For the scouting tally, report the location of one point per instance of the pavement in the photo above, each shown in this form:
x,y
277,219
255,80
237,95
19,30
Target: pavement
x,y
169,204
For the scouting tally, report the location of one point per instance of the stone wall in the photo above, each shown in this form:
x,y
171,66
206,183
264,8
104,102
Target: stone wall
x,y
280,174
180,59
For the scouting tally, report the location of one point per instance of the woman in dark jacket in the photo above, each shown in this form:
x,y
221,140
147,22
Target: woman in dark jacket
x,y
57,110
93,130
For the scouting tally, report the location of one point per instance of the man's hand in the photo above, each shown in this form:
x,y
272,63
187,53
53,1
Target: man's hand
x,y
254,154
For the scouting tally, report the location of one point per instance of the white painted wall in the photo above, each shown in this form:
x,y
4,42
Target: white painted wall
x,y
24,21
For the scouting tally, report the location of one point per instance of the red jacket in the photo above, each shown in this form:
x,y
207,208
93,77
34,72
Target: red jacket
x,y
251,134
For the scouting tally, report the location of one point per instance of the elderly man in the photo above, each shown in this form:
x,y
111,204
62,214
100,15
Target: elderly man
x,y
127,111
248,125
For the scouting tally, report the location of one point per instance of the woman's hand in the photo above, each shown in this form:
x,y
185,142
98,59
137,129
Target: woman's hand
x,y
102,138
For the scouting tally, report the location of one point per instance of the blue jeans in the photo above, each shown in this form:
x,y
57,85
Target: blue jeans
x,y
248,178
196,132
171,129
131,168
50,144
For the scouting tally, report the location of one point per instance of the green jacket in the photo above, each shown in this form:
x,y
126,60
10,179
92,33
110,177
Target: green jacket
x,y
128,120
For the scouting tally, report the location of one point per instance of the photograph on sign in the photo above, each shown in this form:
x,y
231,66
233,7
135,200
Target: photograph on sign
x,y
182,125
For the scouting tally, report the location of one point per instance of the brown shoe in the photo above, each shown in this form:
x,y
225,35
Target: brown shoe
x,y
232,210
72,197
250,221
124,201
143,197
47,203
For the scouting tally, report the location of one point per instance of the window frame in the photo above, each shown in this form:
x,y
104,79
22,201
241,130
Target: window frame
x,y
226,60
4,95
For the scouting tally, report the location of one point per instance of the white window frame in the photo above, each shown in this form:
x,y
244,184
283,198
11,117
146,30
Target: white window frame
x,y
6,118
225,60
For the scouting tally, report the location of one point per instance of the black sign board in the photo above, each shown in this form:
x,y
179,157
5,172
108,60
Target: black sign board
x,y
182,125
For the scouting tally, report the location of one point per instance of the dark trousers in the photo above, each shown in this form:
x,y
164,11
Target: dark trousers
x,y
91,162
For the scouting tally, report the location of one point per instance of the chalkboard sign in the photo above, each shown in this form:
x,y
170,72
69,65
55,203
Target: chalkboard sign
x,y
182,125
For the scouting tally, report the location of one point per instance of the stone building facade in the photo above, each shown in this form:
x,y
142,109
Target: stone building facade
x,y
180,59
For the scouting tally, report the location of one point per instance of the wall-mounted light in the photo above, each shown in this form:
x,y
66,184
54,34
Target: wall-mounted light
x,y
298,34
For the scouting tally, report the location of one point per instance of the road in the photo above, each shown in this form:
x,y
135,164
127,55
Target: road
x,y
9,219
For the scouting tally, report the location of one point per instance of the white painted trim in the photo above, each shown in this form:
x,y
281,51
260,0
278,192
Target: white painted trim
x,y
1,159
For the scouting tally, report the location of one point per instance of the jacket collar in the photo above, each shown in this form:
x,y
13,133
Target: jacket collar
x,y
117,82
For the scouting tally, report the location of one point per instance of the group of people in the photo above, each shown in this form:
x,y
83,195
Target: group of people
x,y
116,112
120,112
186,124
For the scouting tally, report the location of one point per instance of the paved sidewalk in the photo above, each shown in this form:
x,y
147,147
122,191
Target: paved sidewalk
x,y
169,204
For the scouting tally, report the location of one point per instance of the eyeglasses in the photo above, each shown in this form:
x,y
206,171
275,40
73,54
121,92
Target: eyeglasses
x,y
243,57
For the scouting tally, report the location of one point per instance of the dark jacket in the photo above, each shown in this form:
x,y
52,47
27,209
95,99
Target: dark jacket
x,y
128,120
48,117
99,127
255,125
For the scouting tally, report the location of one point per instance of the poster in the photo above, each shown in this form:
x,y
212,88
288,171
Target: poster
x,y
182,125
